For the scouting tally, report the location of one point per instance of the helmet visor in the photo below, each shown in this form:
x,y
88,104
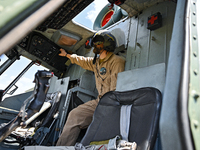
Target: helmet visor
x,y
97,43
98,38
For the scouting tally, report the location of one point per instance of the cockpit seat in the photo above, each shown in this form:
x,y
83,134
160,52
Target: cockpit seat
x,y
132,114
40,124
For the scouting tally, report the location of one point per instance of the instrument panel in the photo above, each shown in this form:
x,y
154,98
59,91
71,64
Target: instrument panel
x,y
45,50
42,49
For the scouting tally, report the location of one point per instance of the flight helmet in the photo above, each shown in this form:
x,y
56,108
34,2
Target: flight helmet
x,y
105,37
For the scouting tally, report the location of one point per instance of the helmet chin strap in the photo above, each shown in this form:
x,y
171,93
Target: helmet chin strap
x,y
95,57
97,51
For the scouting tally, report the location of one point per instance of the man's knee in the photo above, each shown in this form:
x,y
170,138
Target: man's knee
x,y
79,117
73,114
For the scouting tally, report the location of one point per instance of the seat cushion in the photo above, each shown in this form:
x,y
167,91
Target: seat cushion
x,y
144,118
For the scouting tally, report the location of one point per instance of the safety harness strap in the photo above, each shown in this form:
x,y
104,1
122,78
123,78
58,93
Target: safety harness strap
x,y
125,115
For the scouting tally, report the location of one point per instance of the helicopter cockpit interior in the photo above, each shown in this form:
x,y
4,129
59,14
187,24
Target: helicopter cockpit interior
x,y
150,37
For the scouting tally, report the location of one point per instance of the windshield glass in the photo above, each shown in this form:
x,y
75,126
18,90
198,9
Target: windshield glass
x,y
89,14
25,83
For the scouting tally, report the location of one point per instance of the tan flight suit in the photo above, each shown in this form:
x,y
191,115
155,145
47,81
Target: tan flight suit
x,y
80,117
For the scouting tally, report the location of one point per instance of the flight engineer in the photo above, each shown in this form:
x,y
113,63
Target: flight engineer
x,y
105,65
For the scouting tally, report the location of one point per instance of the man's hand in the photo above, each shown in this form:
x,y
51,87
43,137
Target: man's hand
x,y
63,53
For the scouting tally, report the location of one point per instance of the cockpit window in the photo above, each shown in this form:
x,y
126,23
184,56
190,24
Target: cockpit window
x,y
89,14
3,58
25,83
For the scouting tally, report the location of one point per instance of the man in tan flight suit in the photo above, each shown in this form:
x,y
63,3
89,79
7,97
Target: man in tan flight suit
x,y
105,68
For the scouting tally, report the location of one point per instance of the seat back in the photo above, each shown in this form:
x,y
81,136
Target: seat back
x,y
144,117
151,76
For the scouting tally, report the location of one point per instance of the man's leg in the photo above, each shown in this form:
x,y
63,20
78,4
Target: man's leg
x,y
79,118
